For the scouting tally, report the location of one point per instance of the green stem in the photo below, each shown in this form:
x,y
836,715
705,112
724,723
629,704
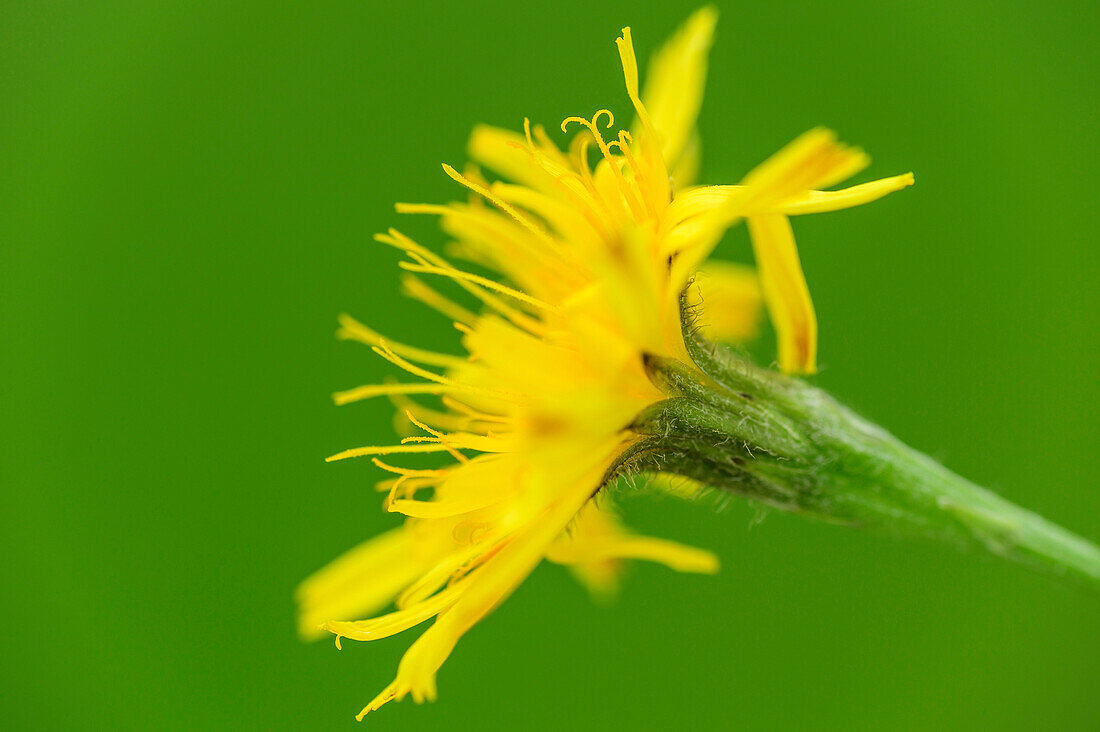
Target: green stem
x,y
783,442
952,507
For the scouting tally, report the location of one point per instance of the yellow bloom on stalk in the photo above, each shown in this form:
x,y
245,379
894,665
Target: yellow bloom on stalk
x,y
591,263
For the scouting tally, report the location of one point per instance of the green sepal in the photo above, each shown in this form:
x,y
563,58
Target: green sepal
x,y
782,442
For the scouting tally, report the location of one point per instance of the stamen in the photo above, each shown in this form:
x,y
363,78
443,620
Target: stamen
x,y
496,232
547,145
396,239
352,329
592,126
383,350
424,208
408,472
476,414
372,390
623,144
417,289
457,274
527,134
579,148
421,425
436,509
585,199
503,206
439,436
383,450
434,417
411,484
592,205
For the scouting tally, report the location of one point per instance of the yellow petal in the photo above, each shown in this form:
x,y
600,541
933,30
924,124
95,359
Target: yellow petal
x,y
360,582
813,159
609,540
672,554
686,168
702,200
397,621
352,329
496,579
673,91
785,292
823,201
506,153
596,543
729,301
677,485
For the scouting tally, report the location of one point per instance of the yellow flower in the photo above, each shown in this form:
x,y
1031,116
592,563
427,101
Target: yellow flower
x,y
591,264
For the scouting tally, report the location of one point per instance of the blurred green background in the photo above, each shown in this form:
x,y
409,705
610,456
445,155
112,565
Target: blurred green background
x,y
187,194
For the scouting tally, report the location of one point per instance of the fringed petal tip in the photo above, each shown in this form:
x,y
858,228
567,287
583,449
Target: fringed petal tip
x,y
424,691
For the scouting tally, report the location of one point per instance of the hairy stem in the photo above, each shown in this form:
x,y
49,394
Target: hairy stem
x,y
785,443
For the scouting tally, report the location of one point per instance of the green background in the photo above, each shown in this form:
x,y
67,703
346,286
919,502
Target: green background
x,y
187,194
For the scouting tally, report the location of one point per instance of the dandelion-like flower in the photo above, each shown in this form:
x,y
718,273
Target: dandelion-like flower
x,y
593,264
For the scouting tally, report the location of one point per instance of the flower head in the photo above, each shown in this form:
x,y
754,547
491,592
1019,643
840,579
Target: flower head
x,y
590,263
